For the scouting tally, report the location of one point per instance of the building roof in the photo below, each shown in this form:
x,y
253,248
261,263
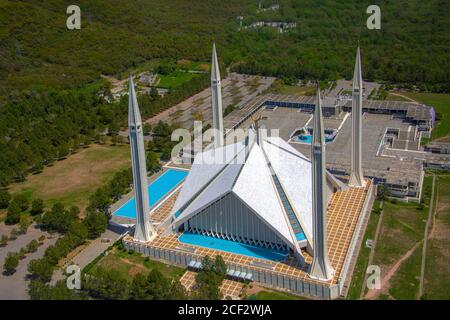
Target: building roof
x,y
247,169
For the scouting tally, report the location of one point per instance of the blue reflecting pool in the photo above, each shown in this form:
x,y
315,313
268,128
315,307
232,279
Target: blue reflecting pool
x,y
232,246
156,191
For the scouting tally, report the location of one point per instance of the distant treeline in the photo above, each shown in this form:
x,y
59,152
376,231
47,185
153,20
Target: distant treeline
x,y
37,50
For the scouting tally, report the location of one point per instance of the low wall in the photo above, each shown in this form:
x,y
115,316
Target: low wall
x,y
262,276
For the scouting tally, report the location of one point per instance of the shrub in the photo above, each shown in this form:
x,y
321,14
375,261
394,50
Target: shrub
x,y
5,197
4,240
32,246
11,263
37,207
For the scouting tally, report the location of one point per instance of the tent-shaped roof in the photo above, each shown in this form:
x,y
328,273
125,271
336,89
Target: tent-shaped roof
x,y
270,177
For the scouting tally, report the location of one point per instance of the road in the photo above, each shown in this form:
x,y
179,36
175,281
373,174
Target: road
x,y
14,287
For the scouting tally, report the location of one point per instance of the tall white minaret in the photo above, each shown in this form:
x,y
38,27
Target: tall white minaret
x,y
321,268
144,231
356,174
216,95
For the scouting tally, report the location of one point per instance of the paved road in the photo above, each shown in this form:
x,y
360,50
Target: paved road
x,y
14,287
89,253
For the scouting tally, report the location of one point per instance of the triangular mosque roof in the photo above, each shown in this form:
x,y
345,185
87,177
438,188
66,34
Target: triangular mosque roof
x,y
247,169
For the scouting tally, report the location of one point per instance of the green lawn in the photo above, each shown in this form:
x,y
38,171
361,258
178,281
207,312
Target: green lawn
x,y
300,90
441,103
131,264
437,271
175,79
363,258
73,180
274,295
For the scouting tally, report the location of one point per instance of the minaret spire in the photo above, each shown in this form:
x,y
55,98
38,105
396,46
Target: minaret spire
x,y
144,231
216,95
356,173
321,268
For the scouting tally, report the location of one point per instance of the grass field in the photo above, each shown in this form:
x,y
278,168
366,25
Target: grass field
x,y
441,103
437,271
73,180
363,258
175,79
305,91
134,263
274,295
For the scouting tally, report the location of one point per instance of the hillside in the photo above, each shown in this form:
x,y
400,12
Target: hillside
x,y
36,49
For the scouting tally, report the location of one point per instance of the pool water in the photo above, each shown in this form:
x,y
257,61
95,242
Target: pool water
x,y
156,191
307,138
232,247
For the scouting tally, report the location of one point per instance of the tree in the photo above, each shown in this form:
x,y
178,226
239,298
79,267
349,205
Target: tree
x,y
383,192
153,164
24,223
96,223
5,197
138,288
22,201
13,213
4,240
41,269
209,279
41,291
106,284
32,246
157,285
177,291
11,263
37,207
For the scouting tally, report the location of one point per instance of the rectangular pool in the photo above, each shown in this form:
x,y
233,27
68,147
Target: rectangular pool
x,y
232,246
156,191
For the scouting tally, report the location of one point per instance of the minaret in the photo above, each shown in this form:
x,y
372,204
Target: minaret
x,y
144,230
216,95
321,268
356,174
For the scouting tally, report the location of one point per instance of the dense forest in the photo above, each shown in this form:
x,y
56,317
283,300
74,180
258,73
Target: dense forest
x,y
37,50
50,76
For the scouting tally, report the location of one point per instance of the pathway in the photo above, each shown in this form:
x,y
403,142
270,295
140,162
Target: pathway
x,y
372,250
426,235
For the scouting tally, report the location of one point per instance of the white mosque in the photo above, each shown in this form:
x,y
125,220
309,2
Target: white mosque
x,y
259,191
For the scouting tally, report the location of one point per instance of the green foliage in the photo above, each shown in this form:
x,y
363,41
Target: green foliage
x,y
209,279
41,291
32,246
37,207
24,223
153,164
155,286
5,197
58,218
96,223
11,263
13,213
4,240
41,269
383,192
106,285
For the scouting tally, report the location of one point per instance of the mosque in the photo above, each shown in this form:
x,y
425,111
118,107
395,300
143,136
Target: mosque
x,y
276,217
